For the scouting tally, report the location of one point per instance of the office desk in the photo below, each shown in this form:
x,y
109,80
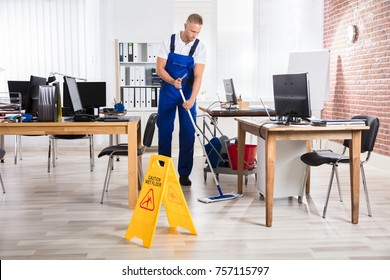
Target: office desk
x,y
215,112
220,112
273,133
131,128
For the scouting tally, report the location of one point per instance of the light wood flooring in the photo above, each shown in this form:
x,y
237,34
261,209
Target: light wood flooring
x,y
58,215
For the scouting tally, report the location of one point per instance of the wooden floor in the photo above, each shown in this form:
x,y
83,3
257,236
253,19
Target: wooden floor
x,y
58,215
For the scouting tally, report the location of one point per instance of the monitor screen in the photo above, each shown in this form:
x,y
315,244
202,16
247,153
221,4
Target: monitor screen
x,y
33,94
291,96
231,96
22,87
92,94
74,94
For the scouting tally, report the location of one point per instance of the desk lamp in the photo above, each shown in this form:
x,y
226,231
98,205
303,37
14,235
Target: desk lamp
x,y
52,77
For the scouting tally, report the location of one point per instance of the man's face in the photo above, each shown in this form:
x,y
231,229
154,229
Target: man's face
x,y
191,31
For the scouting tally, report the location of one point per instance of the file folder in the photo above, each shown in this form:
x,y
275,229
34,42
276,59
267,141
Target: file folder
x,y
122,75
120,52
130,52
148,97
135,52
131,93
137,98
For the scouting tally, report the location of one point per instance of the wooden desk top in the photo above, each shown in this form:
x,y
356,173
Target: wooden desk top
x,y
66,127
222,112
259,127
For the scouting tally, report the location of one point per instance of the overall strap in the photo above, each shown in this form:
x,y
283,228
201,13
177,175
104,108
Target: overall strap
x,y
194,47
172,43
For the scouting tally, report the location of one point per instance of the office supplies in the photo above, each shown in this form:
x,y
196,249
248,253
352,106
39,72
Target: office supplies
x,y
22,87
47,104
345,122
318,122
84,118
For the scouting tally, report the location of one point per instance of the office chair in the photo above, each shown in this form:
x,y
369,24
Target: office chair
x,y
53,148
2,154
319,157
122,150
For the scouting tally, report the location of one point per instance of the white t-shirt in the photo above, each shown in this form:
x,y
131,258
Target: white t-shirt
x,y
183,49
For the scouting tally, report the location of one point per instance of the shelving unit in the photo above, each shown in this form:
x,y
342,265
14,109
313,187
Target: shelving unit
x,y
137,84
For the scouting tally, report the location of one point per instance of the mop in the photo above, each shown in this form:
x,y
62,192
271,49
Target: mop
x,y
221,196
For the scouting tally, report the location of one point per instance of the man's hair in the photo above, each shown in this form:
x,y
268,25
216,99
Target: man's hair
x,y
195,18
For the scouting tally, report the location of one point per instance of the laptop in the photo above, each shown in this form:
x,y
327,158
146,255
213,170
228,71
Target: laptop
x,y
266,110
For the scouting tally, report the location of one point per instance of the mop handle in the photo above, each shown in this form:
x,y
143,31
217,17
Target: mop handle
x,y
200,141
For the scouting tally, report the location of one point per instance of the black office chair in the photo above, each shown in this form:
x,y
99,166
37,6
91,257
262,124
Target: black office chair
x,y
53,148
122,150
2,154
319,157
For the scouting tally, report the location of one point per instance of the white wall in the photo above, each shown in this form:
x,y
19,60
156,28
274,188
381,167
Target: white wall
x,y
279,26
133,20
119,19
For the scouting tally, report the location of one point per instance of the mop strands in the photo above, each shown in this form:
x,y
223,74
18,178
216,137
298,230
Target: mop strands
x,y
221,196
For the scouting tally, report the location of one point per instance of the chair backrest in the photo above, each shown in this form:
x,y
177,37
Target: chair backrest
x,y
149,130
368,136
2,153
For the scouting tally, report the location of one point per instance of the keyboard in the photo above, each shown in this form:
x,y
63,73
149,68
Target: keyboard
x,y
111,118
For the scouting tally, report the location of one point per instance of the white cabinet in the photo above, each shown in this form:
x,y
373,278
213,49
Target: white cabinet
x,y
289,169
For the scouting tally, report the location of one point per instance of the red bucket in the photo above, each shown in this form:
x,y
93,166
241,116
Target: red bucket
x,y
249,156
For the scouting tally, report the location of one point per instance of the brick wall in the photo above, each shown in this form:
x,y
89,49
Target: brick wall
x,y
359,71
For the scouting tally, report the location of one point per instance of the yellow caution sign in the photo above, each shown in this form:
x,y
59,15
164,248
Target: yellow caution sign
x,y
160,185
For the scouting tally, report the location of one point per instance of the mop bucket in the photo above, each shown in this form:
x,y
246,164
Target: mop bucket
x,y
249,156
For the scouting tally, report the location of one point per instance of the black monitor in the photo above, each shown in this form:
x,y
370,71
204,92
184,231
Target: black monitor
x,y
22,87
33,94
74,94
231,96
92,94
292,97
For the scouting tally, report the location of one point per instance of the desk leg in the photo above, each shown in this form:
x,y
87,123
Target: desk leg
x,y
354,153
270,155
308,149
133,138
240,167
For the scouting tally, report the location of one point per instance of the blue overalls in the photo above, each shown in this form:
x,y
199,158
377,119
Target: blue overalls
x,y
177,66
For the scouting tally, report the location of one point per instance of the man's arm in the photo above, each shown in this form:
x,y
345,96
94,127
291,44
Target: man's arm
x,y
163,74
198,75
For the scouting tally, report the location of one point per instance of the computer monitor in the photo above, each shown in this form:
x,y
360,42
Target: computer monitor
x,y
292,97
33,94
92,94
22,87
74,95
231,96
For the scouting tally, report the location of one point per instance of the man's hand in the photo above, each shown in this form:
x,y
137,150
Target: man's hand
x,y
188,104
177,83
